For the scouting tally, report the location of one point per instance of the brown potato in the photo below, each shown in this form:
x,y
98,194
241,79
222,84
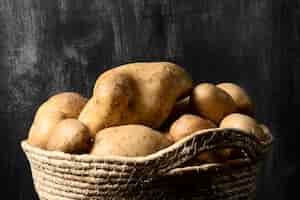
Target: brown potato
x,y
181,107
240,97
69,136
69,103
214,156
136,93
55,109
41,128
265,129
211,102
128,140
244,123
188,124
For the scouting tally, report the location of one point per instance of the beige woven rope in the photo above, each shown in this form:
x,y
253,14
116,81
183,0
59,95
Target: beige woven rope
x,y
162,175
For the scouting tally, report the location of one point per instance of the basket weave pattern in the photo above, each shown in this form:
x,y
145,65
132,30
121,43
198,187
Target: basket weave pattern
x,y
162,175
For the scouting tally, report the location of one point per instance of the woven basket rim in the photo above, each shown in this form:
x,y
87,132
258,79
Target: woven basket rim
x,y
123,159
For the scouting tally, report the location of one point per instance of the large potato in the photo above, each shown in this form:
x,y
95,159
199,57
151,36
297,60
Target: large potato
x,y
69,136
136,93
128,140
55,109
212,102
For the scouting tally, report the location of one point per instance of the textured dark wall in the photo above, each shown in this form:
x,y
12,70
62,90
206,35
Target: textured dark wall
x,y
63,45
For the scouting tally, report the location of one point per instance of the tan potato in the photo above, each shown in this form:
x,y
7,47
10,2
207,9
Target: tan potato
x,y
211,102
214,156
188,124
69,103
181,107
55,109
69,136
41,128
240,97
244,123
265,130
128,140
136,93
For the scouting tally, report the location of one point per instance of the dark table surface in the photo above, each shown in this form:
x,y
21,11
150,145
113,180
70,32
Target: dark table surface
x,y
63,45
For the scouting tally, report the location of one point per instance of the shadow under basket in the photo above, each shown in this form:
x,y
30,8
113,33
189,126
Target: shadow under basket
x,y
163,175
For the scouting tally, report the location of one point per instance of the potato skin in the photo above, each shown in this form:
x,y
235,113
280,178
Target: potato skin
x,y
129,141
188,124
57,108
135,93
41,128
181,107
244,123
212,102
69,136
239,95
69,103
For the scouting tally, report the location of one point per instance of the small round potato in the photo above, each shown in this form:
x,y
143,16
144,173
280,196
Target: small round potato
x,y
188,124
244,123
69,136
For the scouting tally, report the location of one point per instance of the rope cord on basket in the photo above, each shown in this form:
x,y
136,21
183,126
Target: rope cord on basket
x,y
144,169
218,138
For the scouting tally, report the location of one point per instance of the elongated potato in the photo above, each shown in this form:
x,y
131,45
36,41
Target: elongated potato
x,y
136,93
212,102
240,97
128,140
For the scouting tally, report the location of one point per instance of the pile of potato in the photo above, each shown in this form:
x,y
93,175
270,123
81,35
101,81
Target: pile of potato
x,y
140,108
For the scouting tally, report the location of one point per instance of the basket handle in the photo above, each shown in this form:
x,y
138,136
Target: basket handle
x,y
188,148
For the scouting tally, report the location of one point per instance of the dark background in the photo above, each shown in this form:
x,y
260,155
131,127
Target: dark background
x,y
63,45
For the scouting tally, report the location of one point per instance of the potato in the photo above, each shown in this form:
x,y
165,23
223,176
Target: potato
x,y
181,107
69,136
188,124
41,128
69,103
128,140
55,109
136,93
265,129
214,156
211,102
240,97
244,123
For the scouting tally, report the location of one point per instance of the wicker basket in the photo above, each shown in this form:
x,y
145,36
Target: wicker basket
x,y
163,175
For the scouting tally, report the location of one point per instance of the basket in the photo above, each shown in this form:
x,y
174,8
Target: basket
x,y
162,175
